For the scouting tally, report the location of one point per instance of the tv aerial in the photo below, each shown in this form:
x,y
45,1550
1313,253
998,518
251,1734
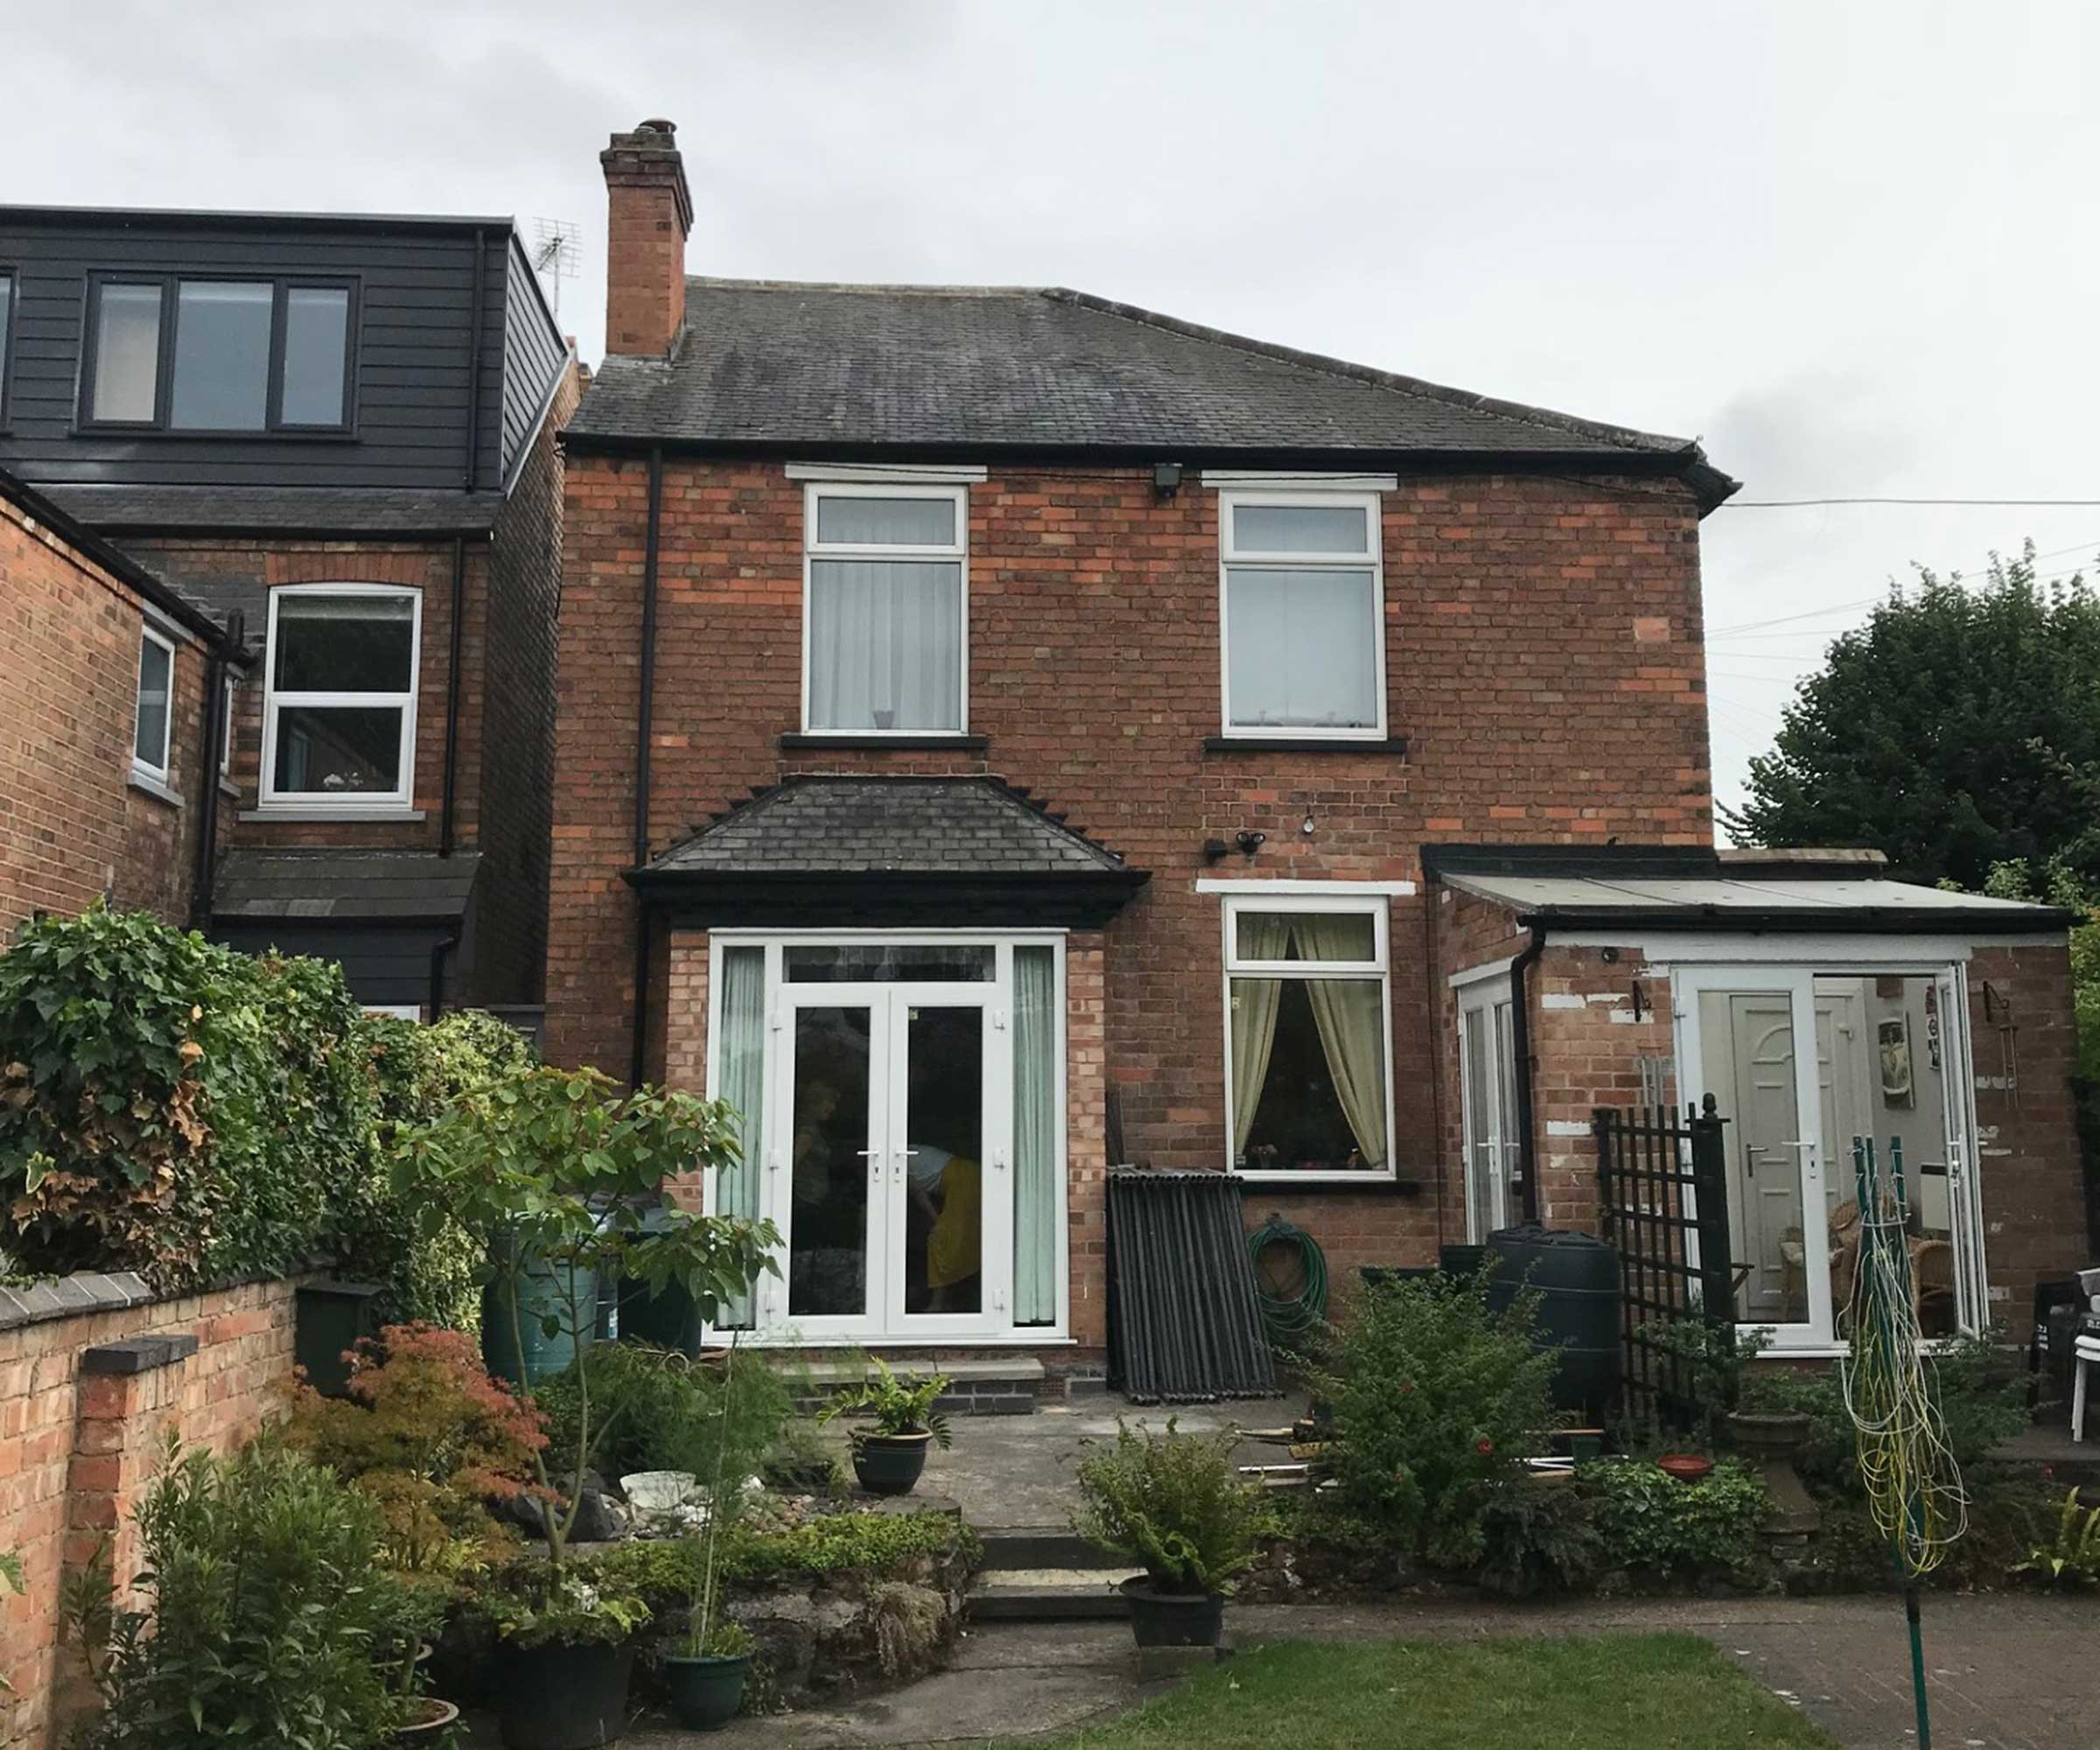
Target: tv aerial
x,y
557,246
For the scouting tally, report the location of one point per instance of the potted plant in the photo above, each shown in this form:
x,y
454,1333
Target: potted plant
x,y
412,1609
889,1458
1174,1504
560,1167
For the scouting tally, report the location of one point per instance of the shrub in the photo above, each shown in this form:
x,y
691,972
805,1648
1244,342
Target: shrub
x,y
171,1107
1173,1503
431,1438
1667,1529
1537,1538
899,1406
1435,1399
260,1570
656,1410
2072,1557
661,1571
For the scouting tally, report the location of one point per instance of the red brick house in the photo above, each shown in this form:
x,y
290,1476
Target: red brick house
x,y
1005,733
334,436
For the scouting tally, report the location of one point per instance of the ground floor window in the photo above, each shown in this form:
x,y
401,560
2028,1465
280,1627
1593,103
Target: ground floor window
x,y
1802,1060
1308,1056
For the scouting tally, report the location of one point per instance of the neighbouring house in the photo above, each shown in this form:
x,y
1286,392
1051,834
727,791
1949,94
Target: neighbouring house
x,y
1004,733
335,436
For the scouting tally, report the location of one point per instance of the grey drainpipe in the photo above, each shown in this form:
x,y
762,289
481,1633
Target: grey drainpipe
x,y
1520,1048
217,727
644,716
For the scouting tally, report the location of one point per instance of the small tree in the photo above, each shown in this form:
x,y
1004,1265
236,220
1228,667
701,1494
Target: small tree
x,y
558,1166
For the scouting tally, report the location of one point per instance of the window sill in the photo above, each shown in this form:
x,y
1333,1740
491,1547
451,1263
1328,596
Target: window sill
x,y
1366,1184
305,811
803,741
155,787
1394,744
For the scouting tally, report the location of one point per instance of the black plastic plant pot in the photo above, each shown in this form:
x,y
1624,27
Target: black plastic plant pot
x,y
1167,1619
563,1696
704,1693
890,1464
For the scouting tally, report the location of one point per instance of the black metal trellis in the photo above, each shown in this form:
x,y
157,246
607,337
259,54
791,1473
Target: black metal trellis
x,y
1663,1188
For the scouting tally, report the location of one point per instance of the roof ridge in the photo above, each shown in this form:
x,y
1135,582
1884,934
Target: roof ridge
x,y
1550,418
887,288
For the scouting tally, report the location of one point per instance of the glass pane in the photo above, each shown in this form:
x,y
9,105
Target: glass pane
x,y
886,645
1300,529
1308,1061
1303,650
944,1122
885,522
828,1218
1746,1042
127,351
859,963
149,736
221,356
345,644
1036,1240
1305,935
1480,1113
317,333
338,750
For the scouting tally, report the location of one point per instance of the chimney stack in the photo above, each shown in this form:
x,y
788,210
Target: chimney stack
x,y
649,212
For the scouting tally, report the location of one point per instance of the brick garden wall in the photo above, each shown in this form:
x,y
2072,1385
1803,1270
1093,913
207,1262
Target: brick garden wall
x,y
73,825
77,1445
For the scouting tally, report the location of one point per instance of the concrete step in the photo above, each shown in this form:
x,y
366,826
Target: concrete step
x,y
1046,1595
1044,1546
984,1388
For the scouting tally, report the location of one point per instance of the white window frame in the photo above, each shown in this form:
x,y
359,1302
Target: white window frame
x,y
957,553
1378,908
1230,557
141,767
326,802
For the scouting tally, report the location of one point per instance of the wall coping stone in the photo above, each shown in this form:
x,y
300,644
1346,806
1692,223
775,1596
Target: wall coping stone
x,y
138,1355
67,1297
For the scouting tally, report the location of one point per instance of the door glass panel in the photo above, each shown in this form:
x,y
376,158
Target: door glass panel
x,y
1480,1124
831,1168
888,963
944,1126
1746,1038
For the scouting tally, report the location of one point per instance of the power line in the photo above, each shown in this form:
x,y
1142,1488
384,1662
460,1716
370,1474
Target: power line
x,y
1805,503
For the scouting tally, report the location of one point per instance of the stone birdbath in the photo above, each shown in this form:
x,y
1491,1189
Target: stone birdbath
x,y
1772,1439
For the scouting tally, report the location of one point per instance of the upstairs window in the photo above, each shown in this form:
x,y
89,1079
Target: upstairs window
x,y
339,711
150,727
219,355
7,332
1303,617
885,646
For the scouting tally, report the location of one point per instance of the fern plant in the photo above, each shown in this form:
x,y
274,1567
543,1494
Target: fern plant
x,y
2074,1559
1174,1504
899,1406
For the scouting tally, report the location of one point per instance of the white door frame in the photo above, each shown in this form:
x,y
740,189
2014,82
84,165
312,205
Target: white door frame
x,y
1487,1002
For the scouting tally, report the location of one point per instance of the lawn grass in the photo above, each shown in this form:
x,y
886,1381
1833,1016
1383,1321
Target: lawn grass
x,y
1602,1692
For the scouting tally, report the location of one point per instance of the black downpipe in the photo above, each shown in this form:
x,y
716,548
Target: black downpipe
x,y
471,473
452,697
1520,1048
217,728
644,722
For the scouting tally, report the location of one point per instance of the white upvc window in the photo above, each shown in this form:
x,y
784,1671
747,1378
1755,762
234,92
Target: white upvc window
x,y
886,644
1308,1051
338,701
1302,615
151,727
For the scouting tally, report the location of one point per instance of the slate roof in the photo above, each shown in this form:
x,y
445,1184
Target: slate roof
x,y
891,826
764,362
278,510
344,886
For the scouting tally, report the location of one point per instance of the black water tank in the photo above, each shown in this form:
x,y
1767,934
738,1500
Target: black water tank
x,y
1576,1277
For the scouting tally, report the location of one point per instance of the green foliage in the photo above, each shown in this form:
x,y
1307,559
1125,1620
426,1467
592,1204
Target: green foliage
x,y
260,1570
657,1410
1435,1400
1668,1530
431,1438
1539,1538
1174,1504
11,1577
1959,728
899,1406
2072,1557
1708,1360
560,1167
171,1106
433,1277
728,1640
533,1603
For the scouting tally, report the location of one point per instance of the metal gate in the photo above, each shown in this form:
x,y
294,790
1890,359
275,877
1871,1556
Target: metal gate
x,y
1662,1189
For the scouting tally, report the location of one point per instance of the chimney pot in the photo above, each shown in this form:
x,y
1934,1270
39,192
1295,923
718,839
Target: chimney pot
x,y
649,215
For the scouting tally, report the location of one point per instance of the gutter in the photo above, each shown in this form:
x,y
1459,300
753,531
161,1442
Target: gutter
x,y
644,724
1821,921
1520,1048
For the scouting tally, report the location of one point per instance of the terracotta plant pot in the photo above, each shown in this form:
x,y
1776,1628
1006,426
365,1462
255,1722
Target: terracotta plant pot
x,y
890,1464
1167,1619
427,1718
1686,1466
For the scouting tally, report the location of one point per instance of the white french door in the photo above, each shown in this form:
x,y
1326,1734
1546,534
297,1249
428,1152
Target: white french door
x,y
1950,1036
1488,1078
890,1137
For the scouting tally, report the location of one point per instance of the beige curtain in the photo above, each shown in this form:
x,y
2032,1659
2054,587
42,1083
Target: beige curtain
x,y
1262,936
1350,1013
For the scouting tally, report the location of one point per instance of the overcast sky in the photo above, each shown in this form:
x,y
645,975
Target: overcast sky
x,y
1852,247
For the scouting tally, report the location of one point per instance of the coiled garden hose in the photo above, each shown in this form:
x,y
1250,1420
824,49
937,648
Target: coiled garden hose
x,y
1289,1316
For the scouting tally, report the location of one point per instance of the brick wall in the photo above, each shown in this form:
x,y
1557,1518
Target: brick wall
x,y
1543,658
77,1446
72,823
